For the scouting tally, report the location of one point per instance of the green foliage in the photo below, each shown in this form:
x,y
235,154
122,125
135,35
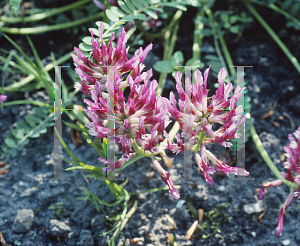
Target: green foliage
x,y
176,64
215,65
232,22
130,10
292,7
173,242
37,122
34,125
212,221
56,207
15,5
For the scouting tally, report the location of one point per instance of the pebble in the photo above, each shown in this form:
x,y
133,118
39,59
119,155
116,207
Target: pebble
x,y
252,208
180,203
23,221
29,192
286,242
59,229
253,234
221,188
172,211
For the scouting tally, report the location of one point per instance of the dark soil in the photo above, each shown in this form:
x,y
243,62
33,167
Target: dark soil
x,y
61,219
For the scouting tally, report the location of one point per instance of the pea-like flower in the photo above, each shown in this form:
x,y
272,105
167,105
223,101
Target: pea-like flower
x,y
166,178
292,165
2,98
104,58
132,117
196,118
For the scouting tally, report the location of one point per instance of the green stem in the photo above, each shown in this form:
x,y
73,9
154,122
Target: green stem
x,y
170,40
277,9
44,15
41,29
146,33
268,160
127,217
128,163
211,20
11,63
42,104
227,56
196,148
153,190
140,151
282,46
197,35
31,77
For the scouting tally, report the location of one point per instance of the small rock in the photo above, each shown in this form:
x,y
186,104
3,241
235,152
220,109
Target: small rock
x,y
253,234
172,211
252,208
23,221
221,188
286,242
180,203
86,238
29,192
59,229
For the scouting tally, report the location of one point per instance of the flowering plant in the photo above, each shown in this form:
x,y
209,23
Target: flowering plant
x,y
292,165
143,110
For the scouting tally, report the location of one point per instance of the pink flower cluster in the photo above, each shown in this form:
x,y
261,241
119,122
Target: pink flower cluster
x,y
141,120
196,119
293,175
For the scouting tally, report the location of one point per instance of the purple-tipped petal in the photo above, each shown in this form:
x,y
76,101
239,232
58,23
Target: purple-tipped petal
x,y
166,178
99,4
3,98
282,213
